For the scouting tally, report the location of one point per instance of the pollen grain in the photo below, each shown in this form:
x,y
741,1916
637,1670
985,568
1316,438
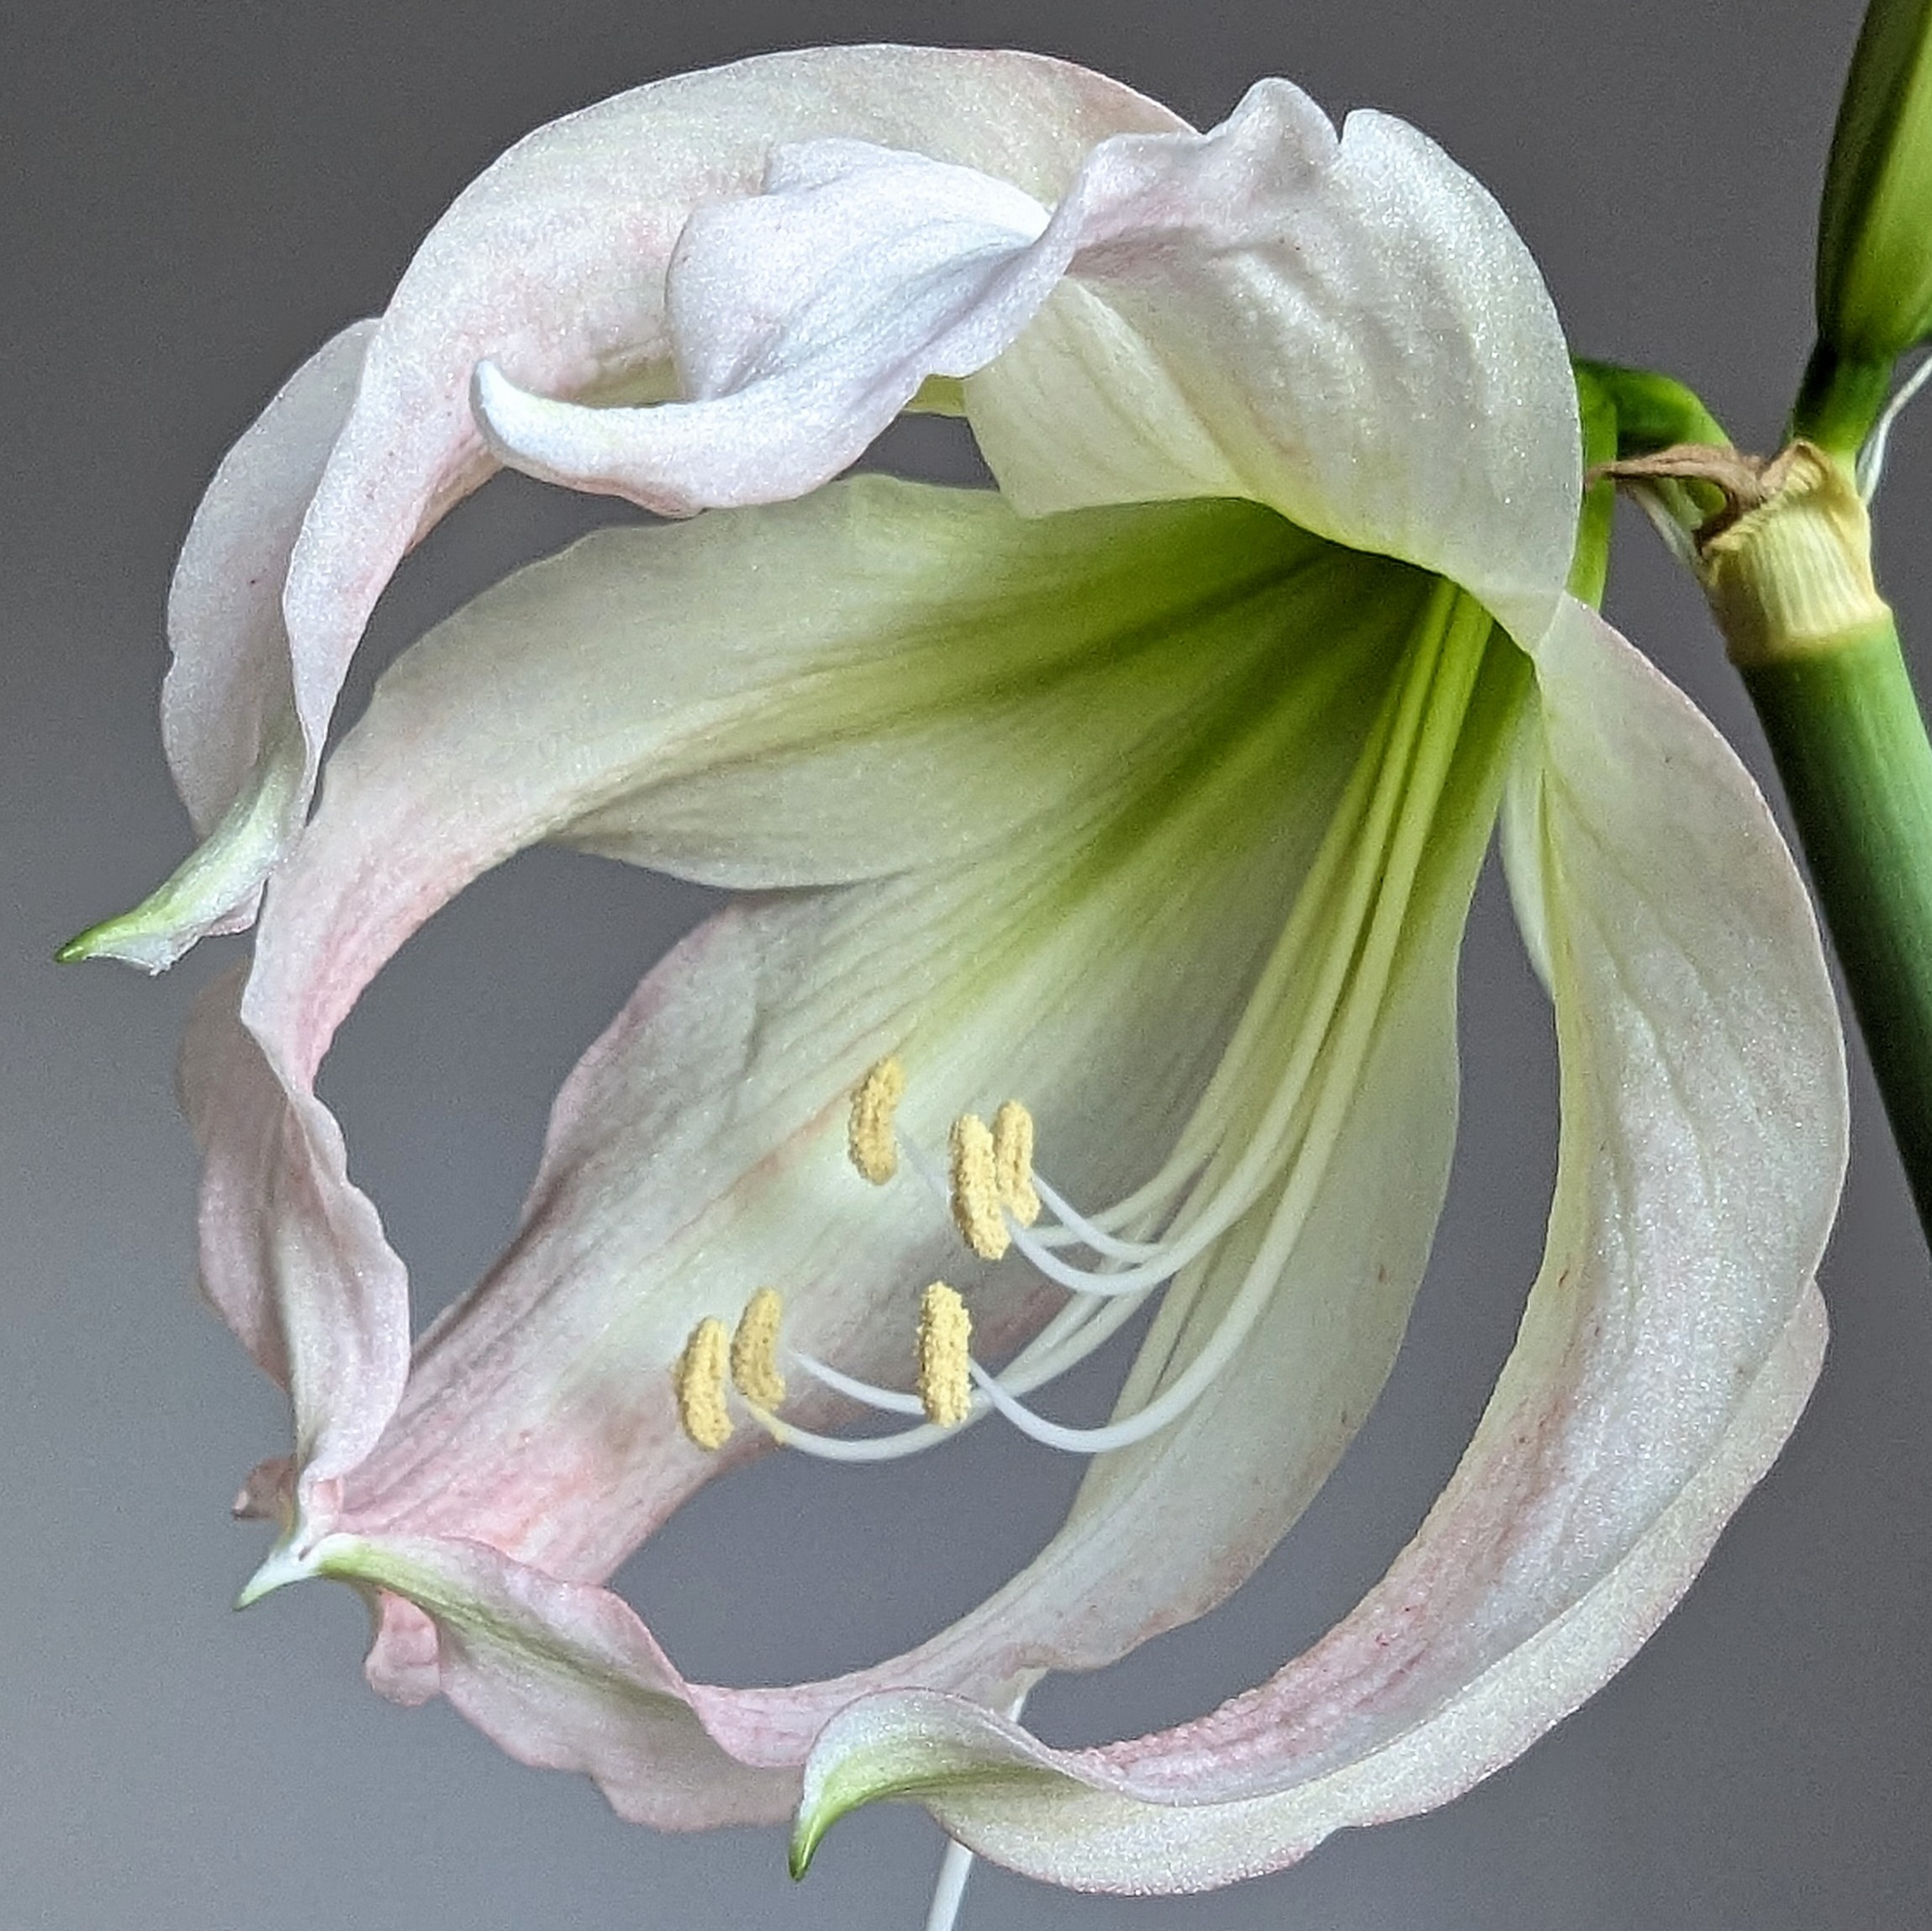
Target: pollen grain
x,y
945,1335
976,1189
700,1379
755,1351
869,1141
1013,1162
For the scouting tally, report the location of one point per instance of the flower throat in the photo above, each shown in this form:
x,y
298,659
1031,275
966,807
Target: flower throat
x,y
1244,1175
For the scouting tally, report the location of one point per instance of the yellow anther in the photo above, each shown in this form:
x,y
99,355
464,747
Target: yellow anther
x,y
1013,1162
976,1189
755,1351
869,1134
700,1379
945,1334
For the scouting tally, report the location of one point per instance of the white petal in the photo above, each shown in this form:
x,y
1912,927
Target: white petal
x,y
1666,1349
1351,332
683,696
228,716
230,676
804,319
552,265
883,676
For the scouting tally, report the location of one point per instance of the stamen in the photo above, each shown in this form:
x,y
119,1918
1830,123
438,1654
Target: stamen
x,y
945,1335
976,1189
1167,1262
869,1140
1076,1230
1069,1338
1013,1162
755,1351
700,1379
887,1400
1269,1124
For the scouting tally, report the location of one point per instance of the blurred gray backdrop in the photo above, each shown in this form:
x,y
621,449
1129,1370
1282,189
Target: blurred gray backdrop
x,y
192,196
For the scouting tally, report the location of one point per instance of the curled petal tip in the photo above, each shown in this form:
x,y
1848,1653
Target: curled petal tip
x,y
286,1563
145,937
808,1831
849,1768
496,402
605,449
217,887
524,431
96,942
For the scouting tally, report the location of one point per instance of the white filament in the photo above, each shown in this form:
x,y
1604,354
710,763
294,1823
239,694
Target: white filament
x,y
1870,465
950,1887
956,1866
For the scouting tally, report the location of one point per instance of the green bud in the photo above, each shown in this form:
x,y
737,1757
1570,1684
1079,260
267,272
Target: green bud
x,y
1875,227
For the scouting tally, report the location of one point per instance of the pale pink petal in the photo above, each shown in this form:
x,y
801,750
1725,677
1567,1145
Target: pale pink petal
x,y
291,1256
1090,1820
236,1107
696,1154
563,1677
1665,1353
552,265
804,320
230,673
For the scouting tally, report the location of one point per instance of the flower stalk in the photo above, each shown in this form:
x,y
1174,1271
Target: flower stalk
x,y
1823,667
1844,727
1841,398
1787,569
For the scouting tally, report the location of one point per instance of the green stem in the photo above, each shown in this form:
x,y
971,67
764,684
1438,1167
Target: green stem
x,y
1851,749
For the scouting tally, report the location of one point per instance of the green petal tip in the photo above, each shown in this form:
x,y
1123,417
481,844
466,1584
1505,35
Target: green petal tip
x,y
807,1834
152,936
99,941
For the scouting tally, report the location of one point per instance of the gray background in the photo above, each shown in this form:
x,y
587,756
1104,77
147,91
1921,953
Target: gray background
x,y
194,195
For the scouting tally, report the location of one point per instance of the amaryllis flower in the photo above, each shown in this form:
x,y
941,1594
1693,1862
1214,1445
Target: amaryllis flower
x,y
1104,845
